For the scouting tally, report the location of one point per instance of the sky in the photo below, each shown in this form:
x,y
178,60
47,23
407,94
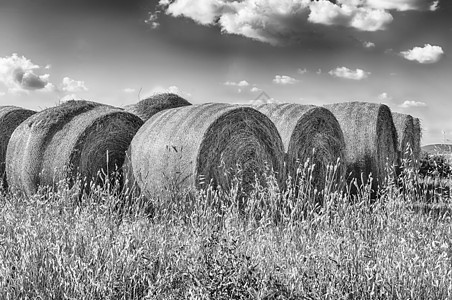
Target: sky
x,y
395,52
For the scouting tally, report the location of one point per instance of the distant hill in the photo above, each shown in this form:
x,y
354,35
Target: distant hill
x,y
438,148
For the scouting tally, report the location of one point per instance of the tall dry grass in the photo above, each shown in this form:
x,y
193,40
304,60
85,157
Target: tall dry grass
x,y
205,246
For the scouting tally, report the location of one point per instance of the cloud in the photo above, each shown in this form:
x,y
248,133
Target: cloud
x,y
302,71
434,6
343,72
129,90
242,83
2,94
368,45
284,80
171,89
70,85
70,97
284,21
31,81
408,104
349,14
159,90
152,20
255,90
50,87
18,74
427,55
202,11
402,5
174,89
384,97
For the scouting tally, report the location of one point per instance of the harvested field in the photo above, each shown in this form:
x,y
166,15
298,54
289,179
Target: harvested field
x,y
304,128
370,139
10,118
148,107
196,145
76,138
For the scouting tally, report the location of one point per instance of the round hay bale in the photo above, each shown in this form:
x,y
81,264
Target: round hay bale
x,y
148,107
76,138
304,128
417,128
405,132
370,139
10,118
197,145
145,109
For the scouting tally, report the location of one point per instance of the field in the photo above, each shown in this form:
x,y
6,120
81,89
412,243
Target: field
x,y
208,245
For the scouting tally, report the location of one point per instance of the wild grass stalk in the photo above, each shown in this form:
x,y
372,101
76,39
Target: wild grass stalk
x,y
205,244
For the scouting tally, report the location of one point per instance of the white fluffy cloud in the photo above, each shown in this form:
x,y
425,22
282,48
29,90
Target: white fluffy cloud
x,y
255,89
350,14
242,83
411,103
384,97
152,20
174,89
71,85
2,94
426,55
434,6
302,71
71,97
202,11
284,80
344,72
129,90
18,74
368,45
171,89
403,5
282,21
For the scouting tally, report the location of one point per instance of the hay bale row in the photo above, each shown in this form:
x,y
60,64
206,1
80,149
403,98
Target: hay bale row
x,y
304,128
190,146
76,138
10,118
370,139
148,107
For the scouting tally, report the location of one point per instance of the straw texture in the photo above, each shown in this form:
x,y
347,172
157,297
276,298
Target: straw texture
x,y
417,138
148,107
404,125
197,145
10,118
370,139
76,138
303,129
